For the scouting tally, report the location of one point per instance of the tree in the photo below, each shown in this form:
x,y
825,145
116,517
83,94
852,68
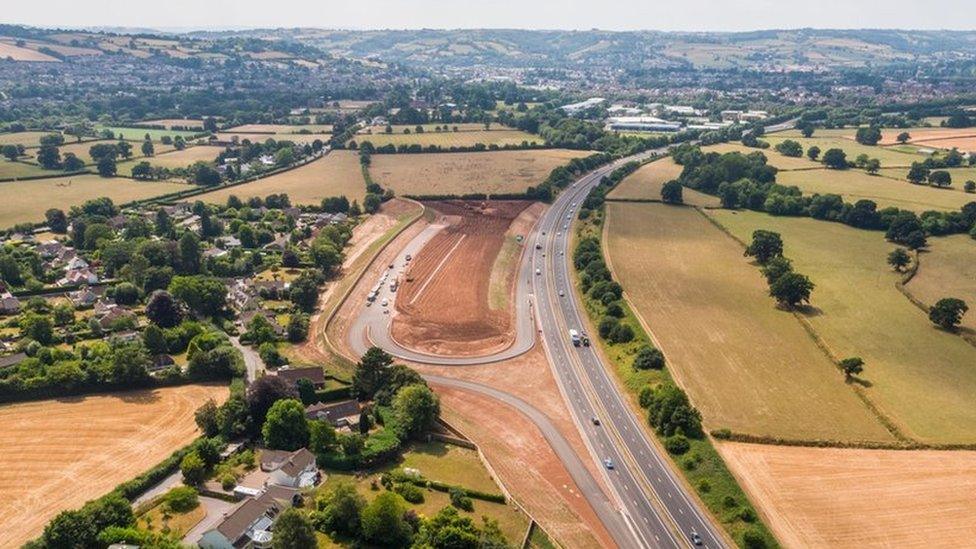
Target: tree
x,y
776,267
947,312
37,327
969,186
918,173
670,412
903,137
789,147
340,509
940,178
56,220
126,293
163,310
370,373
671,192
304,292
193,469
836,159
416,408
72,163
382,521
210,124
49,157
264,392
203,174
872,166
205,295
11,152
813,153
147,148
791,289
285,426
899,259
648,358
293,530
106,167
207,418
372,202
321,436
190,253
852,366
868,136
765,246
297,327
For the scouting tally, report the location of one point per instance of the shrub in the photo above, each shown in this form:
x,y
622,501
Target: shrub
x,y
182,499
753,539
747,515
677,444
648,358
460,500
409,492
704,486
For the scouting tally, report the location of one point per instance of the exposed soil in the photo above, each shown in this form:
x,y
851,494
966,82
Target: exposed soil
x,y
442,306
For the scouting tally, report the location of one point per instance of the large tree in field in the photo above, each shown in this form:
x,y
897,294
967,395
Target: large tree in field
x,y
836,159
852,366
868,136
899,259
791,289
947,312
765,246
671,192
383,524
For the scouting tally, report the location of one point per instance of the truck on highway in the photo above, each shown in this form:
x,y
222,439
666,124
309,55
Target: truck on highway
x,y
574,336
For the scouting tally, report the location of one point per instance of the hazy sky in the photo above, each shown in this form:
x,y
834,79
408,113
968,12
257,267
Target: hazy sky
x,y
546,14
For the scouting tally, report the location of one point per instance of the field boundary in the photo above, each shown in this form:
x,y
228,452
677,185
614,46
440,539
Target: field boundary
x,y
902,286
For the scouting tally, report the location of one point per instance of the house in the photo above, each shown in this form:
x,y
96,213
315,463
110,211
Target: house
x,y
339,414
241,296
83,298
247,316
114,315
103,306
228,242
76,263
8,361
290,469
314,374
49,249
9,304
266,160
76,277
161,362
250,524
214,252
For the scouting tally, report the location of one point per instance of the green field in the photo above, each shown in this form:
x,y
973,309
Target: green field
x,y
773,158
854,185
139,134
959,176
888,157
646,183
81,149
174,159
947,270
724,338
10,170
500,137
920,377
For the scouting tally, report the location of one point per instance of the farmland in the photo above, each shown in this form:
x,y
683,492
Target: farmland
x,y
946,269
646,183
301,138
175,159
11,170
26,201
12,51
725,340
920,377
854,185
903,499
889,157
500,137
337,173
81,149
959,177
459,173
281,128
170,123
27,139
139,134
89,444
773,158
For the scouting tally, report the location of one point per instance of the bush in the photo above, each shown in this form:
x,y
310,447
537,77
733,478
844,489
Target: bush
x,y
747,515
182,499
460,500
677,444
409,492
753,539
704,486
648,358
622,333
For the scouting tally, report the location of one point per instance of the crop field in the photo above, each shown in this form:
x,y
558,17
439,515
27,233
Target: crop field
x,y
452,272
281,128
854,185
17,53
58,454
919,376
175,159
889,158
499,137
959,177
773,158
948,269
81,150
460,173
139,134
646,183
964,144
723,337
169,123
431,128
26,201
27,139
901,498
300,138
337,173
10,170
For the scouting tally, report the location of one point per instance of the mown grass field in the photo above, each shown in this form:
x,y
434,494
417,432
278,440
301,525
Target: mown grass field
x,y
724,339
139,134
281,128
889,157
81,149
460,173
948,269
773,158
337,173
959,177
498,137
169,123
174,159
646,183
921,377
26,201
10,169
300,138
854,185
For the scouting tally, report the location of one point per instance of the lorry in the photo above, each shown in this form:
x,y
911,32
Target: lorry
x,y
574,336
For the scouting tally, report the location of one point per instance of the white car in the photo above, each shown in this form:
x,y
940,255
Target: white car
x,y
561,294
608,463
385,302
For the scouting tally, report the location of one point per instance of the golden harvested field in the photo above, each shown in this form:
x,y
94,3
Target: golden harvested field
x,y
460,173
463,127
26,201
948,269
773,158
451,139
746,365
280,128
959,177
921,377
646,183
81,149
301,138
27,139
169,123
58,454
964,144
175,159
854,185
12,51
832,497
337,173
889,158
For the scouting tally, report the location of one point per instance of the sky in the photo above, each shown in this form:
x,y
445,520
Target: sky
x,y
682,15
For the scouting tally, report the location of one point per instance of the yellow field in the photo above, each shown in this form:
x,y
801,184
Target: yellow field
x,y
26,201
889,157
921,377
946,270
773,158
280,128
829,497
175,159
12,51
27,139
853,185
81,149
646,183
338,173
300,138
746,365
58,454
459,173
451,139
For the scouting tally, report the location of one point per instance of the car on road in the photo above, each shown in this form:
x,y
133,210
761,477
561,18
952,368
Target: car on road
x,y
385,302
695,538
608,463
409,257
538,272
561,294
391,265
595,420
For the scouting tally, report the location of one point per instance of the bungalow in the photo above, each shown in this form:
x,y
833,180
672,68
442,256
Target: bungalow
x,y
79,276
266,160
76,263
83,298
297,470
7,361
113,316
49,249
228,242
251,523
340,414
214,252
9,304
247,316
314,374
161,362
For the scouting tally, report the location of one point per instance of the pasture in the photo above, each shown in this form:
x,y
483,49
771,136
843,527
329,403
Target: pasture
x,y
58,454
175,159
299,138
281,128
903,499
946,269
26,201
449,139
773,158
890,158
13,51
13,170
81,149
170,123
337,173
27,139
854,185
920,377
646,183
725,341
139,134
460,173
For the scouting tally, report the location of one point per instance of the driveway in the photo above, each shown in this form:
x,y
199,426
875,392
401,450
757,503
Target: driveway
x,y
252,360
216,509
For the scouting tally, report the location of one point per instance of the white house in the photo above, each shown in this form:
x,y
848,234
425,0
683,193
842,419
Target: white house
x,y
251,524
298,470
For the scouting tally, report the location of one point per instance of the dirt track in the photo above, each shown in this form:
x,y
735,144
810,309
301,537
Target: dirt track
x,y
443,302
58,454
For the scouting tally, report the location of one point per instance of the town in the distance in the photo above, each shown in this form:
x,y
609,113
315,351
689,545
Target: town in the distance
x,y
444,289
